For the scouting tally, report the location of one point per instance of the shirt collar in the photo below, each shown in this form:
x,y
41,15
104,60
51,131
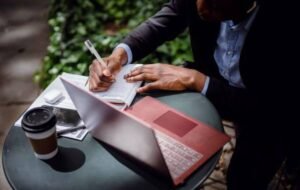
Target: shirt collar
x,y
246,23
251,18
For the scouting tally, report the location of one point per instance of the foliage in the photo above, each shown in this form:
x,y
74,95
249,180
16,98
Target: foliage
x,y
105,23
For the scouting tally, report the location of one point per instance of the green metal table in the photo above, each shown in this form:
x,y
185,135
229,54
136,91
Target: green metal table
x,y
88,164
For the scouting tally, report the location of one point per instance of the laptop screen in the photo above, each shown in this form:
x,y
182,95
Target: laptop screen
x,y
117,129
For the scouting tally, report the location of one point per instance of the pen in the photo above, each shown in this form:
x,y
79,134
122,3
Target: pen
x,y
69,129
92,49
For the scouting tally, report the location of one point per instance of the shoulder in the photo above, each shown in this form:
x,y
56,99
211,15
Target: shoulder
x,y
182,6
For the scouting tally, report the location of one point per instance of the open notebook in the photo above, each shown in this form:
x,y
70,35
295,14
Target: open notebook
x,y
120,92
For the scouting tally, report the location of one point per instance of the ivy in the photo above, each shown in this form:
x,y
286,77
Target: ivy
x,y
105,23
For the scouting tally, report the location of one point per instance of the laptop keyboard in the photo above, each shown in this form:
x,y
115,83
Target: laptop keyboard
x,y
179,158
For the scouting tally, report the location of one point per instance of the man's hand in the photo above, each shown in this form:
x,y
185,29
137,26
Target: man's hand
x,y
166,77
101,78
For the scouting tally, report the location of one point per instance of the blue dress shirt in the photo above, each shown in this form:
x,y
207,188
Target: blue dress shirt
x,y
229,46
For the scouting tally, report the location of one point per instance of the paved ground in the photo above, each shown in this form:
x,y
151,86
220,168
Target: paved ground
x,y
23,42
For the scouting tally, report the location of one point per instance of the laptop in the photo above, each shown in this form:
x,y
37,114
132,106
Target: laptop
x,y
172,144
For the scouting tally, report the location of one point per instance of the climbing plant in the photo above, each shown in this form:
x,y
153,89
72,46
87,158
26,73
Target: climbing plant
x,y
105,23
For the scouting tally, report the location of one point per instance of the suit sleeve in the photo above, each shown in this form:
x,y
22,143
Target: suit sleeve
x,y
165,25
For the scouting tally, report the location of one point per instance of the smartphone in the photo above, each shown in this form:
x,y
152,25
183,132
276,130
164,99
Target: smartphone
x,y
65,117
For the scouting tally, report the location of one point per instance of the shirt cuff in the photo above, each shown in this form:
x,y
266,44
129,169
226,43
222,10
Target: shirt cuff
x,y
127,50
204,90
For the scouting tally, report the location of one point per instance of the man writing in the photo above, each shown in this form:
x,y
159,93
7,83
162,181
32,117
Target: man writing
x,y
231,68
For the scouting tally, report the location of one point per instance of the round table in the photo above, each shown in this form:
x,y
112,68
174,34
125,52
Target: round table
x,y
89,165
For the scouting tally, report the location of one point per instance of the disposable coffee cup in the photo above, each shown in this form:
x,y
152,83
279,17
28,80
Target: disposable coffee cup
x,y
39,126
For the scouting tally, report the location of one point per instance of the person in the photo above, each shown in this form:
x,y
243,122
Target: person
x,y
237,66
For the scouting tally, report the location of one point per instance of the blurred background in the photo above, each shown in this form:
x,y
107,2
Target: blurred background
x,y
24,36
41,39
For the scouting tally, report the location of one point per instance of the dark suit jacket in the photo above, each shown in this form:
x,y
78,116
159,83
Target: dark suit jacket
x,y
261,58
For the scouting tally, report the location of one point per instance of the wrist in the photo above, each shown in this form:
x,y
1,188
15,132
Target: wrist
x,y
127,51
120,55
197,81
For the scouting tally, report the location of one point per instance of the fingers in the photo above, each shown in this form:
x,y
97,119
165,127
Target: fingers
x,y
160,76
141,77
149,86
107,70
97,68
100,78
95,87
141,73
104,71
95,84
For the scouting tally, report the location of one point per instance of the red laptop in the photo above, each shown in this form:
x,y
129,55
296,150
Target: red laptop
x,y
171,143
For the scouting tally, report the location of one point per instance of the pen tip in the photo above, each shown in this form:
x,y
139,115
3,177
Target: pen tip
x,y
88,43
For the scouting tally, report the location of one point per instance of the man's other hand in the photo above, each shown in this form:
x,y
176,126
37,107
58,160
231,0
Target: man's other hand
x,y
166,77
100,77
